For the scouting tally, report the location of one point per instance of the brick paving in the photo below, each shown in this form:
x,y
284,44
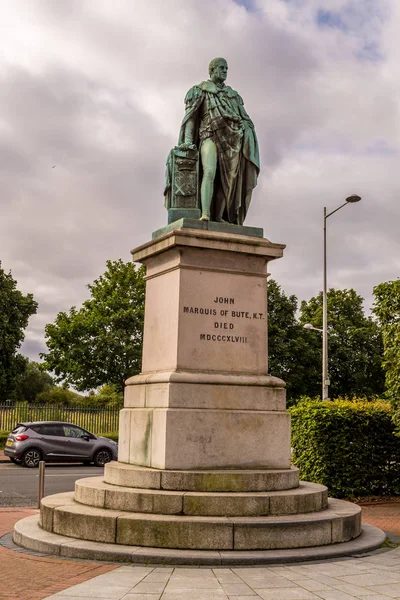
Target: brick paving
x,y
385,515
30,577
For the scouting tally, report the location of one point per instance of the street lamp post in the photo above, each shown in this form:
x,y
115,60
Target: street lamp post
x,y
325,377
324,356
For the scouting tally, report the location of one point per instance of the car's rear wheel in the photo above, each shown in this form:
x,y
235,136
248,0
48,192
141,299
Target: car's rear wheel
x,y
31,458
102,457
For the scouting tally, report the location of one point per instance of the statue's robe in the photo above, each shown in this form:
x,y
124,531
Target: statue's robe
x,y
219,114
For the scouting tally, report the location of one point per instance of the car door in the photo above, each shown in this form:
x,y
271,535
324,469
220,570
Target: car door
x,y
52,441
78,444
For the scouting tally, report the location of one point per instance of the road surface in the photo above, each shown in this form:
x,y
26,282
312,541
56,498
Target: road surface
x,y
19,486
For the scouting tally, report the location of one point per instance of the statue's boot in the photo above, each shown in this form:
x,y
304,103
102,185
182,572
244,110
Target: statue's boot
x,y
205,217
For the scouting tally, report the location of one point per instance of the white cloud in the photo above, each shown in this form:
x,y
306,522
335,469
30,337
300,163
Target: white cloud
x,y
96,87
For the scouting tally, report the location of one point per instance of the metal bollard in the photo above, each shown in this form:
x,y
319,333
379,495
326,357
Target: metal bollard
x,y
41,481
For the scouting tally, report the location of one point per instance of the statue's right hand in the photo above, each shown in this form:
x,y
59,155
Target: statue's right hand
x,y
187,146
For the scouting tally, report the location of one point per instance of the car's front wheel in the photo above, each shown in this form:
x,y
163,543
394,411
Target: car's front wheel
x,y
31,458
102,457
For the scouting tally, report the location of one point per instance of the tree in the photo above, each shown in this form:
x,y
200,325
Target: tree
x,y
387,310
31,382
355,346
102,342
60,396
15,310
293,355
108,395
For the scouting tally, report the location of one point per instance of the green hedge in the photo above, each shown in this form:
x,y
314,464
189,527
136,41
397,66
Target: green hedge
x,y
112,436
3,437
349,446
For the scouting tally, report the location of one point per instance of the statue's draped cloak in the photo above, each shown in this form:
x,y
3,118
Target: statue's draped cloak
x,y
219,114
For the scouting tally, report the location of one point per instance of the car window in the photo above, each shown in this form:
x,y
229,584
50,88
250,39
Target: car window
x,y
35,428
73,432
19,429
51,429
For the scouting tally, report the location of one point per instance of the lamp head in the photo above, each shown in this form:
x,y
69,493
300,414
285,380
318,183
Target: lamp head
x,y
308,326
353,198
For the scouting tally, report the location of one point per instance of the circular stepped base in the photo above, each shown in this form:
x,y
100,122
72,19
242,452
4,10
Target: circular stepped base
x,y
340,522
200,511
30,535
308,497
256,480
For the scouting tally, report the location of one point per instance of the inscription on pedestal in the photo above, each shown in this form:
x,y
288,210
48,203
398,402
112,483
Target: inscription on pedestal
x,y
224,325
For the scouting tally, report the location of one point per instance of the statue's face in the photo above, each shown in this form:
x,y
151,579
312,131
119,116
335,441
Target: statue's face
x,y
220,72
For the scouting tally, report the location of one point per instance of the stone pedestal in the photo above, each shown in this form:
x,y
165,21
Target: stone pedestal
x,y
204,399
204,473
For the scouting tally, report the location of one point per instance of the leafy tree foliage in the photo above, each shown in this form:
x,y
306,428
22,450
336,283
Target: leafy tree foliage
x,y
293,355
108,395
101,343
31,382
387,310
355,345
60,396
15,310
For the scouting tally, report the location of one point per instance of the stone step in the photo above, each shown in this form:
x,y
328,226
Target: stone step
x,y
308,497
29,535
255,480
340,522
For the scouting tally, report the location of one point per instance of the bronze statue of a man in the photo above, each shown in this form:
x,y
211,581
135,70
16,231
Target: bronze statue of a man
x,y
217,124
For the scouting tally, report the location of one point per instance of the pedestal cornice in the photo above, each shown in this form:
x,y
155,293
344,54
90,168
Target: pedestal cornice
x,y
211,240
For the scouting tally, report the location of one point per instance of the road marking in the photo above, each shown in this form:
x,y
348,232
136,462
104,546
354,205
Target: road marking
x,y
66,475
35,475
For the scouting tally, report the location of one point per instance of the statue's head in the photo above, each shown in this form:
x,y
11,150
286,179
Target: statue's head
x,y
218,69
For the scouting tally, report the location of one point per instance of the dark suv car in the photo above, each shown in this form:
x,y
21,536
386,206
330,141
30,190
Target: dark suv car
x,y
53,441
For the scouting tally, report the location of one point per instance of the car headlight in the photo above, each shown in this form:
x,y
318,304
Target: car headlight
x,y
113,443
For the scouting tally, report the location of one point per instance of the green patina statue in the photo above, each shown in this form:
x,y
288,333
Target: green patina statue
x,y
212,172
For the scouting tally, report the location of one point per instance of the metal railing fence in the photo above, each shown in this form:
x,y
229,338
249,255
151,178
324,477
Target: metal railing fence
x,y
96,420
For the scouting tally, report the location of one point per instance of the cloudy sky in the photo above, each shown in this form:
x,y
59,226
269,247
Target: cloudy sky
x,y
91,102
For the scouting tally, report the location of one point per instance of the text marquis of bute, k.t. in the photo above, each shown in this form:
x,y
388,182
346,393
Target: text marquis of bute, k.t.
x,y
216,163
